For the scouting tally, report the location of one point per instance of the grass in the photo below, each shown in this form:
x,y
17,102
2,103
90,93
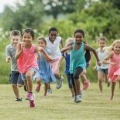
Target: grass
x,y
60,106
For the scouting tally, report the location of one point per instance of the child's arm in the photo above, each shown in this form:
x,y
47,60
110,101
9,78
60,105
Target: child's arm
x,y
87,47
8,58
68,47
61,42
19,50
46,55
106,60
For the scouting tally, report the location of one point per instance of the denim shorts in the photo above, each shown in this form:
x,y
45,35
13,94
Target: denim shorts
x,y
15,78
36,75
105,71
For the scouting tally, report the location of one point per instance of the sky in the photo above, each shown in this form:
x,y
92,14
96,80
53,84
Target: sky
x,y
4,2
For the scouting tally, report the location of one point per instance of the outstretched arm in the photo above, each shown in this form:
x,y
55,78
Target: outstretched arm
x,y
87,47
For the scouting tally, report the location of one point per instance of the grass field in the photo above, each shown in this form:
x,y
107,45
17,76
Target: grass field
x,y
60,106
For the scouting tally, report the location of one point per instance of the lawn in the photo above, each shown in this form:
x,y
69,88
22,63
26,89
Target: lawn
x,y
60,106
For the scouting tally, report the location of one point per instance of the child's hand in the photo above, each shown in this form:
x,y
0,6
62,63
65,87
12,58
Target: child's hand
x,y
99,63
112,63
8,59
22,45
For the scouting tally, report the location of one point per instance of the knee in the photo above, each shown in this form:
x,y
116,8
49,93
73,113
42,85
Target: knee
x,y
76,77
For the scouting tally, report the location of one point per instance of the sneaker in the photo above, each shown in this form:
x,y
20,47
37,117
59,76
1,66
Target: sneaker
x,y
18,99
78,99
86,85
49,91
59,83
32,101
29,95
37,89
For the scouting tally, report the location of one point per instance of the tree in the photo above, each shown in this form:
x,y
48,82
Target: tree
x,y
26,15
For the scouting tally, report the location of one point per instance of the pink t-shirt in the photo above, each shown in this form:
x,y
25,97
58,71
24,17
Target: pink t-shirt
x,y
27,60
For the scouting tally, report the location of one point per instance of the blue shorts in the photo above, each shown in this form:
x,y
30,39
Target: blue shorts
x,y
36,75
15,78
105,71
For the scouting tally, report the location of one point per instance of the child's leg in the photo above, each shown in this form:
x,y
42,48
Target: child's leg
x,y
29,74
100,80
15,90
38,84
46,88
112,90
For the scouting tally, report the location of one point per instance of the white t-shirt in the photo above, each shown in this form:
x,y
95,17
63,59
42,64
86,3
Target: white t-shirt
x,y
54,47
102,55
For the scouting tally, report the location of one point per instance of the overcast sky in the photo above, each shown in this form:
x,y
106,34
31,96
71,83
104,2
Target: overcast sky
x,y
4,2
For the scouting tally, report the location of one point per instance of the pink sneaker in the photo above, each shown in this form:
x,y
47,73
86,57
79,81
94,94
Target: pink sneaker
x,y
37,89
32,101
29,95
86,85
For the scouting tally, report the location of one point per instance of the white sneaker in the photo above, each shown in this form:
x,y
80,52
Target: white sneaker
x,y
59,83
49,91
78,99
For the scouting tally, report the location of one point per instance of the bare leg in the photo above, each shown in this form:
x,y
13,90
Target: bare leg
x,y
15,90
112,90
46,88
100,80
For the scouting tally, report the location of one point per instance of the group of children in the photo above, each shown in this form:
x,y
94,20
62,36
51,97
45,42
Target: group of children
x,y
41,62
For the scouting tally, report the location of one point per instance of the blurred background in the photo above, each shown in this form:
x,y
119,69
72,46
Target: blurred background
x,y
95,17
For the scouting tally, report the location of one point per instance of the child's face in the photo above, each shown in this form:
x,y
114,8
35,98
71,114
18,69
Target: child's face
x,y
53,35
41,43
78,37
102,43
14,40
117,48
27,38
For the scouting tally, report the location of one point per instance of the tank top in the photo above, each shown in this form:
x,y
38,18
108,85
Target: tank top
x,y
27,60
77,58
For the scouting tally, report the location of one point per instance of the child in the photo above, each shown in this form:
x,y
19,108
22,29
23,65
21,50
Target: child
x,y
10,56
27,61
53,42
103,69
66,55
45,70
113,59
77,60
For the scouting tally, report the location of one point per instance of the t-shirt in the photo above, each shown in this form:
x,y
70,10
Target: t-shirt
x,y
10,51
54,47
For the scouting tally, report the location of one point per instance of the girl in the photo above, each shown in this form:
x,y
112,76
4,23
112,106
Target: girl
x,y
45,70
26,60
103,69
77,60
113,59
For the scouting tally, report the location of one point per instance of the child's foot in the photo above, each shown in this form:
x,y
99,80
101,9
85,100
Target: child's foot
x,y
49,91
86,85
37,89
111,98
59,83
29,96
18,99
32,101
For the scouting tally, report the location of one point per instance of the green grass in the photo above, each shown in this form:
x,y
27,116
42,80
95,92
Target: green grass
x,y
60,106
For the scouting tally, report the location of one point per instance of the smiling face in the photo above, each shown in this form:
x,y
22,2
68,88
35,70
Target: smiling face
x,y
27,38
14,40
78,37
116,48
41,43
53,35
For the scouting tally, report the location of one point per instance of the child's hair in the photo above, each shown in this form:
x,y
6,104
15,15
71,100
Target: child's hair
x,y
43,39
79,31
102,38
29,30
53,29
15,33
114,43
68,40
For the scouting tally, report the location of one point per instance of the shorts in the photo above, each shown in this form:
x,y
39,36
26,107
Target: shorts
x,y
55,65
105,71
15,78
36,75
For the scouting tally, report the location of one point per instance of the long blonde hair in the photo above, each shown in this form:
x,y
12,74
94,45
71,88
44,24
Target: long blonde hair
x,y
68,41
